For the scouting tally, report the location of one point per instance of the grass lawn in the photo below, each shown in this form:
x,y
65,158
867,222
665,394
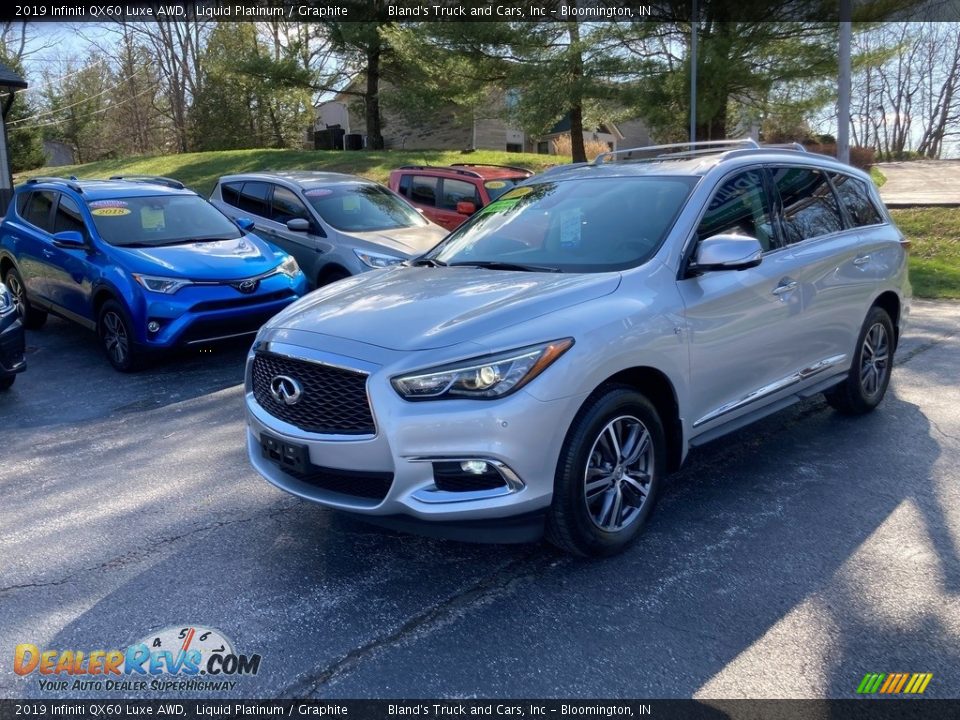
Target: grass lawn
x,y
201,170
935,252
878,177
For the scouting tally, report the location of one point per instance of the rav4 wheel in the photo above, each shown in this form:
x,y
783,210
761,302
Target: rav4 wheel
x,y
869,376
32,318
608,474
116,335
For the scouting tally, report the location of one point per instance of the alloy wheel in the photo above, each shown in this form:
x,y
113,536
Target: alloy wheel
x,y
19,296
115,337
619,472
874,360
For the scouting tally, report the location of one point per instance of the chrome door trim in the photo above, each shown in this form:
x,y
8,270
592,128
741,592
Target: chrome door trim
x,y
773,387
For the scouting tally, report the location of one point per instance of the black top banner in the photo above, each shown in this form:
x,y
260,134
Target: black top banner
x,y
386,11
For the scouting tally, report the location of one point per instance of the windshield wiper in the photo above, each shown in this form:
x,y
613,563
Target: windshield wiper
x,y
499,265
427,262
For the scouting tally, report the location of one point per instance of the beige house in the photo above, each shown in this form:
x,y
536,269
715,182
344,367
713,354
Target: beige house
x,y
482,131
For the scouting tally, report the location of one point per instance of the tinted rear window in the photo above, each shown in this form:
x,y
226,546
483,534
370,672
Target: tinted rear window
x,y
855,198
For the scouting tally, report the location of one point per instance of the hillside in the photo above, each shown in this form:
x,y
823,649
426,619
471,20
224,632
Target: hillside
x,y
201,170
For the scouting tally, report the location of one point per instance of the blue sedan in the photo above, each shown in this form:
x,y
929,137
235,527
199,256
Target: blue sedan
x,y
146,263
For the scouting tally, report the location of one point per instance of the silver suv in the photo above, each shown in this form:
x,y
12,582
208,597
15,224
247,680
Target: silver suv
x,y
546,365
335,225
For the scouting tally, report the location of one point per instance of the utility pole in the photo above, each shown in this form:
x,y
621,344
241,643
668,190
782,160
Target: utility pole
x,y
843,84
693,74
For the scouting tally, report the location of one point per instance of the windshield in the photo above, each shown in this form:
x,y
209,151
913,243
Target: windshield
x,y
355,207
160,220
586,225
496,188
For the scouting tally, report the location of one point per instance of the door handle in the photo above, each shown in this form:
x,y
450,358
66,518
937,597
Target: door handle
x,y
861,260
784,288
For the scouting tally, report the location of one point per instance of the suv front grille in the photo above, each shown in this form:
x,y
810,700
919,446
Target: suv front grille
x,y
333,400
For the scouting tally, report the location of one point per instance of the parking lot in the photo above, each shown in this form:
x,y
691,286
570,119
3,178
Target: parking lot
x,y
787,560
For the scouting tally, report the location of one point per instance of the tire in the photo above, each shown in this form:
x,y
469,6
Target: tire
x,y
6,381
31,318
331,276
585,518
116,337
869,375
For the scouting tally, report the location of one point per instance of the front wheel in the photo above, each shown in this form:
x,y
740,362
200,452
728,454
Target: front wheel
x,y
31,318
869,375
116,335
608,474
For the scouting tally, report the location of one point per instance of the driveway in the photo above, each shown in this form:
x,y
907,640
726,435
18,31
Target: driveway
x,y
921,182
787,560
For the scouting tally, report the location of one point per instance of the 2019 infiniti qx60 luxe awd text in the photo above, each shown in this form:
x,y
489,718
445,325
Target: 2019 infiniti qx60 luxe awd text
x,y
553,358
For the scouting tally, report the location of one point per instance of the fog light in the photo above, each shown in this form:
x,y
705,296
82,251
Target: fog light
x,y
153,326
475,467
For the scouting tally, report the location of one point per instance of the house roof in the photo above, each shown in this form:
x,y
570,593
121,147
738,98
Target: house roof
x,y
9,78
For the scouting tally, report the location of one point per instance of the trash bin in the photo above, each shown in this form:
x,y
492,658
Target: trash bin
x,y
353,141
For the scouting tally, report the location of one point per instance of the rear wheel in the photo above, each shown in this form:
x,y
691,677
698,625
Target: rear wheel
x,y
608,474
116,335
32,318
869,375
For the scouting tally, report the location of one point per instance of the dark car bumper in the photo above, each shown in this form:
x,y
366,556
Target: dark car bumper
x,y
12,345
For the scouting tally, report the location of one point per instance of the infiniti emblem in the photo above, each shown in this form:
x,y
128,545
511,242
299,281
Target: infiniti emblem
x,y
247,286
285,389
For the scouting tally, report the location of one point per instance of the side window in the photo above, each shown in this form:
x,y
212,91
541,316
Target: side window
x,y
808,206
23,199
455,191
38,210
230,192
423,190
404,187
740,207
855,197
68,216
287,206
254,198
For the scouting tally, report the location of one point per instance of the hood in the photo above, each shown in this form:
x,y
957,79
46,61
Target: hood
x,y
421,308
242,257
409,241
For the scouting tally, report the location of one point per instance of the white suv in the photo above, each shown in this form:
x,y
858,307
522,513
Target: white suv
x,y
549,362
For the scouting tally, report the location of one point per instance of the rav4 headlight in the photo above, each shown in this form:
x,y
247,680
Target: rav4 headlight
x,y
165,285
485,378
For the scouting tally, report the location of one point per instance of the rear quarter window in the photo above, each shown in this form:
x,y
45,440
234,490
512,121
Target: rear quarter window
x,y
855,198
808,207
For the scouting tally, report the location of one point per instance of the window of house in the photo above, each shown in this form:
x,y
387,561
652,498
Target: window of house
x,y
808,206
543,147
855,197
740,206
514,147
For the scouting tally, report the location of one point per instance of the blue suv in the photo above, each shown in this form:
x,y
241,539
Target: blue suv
x,y
143,261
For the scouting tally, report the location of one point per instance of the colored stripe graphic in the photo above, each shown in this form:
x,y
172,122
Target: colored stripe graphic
x,y
894,683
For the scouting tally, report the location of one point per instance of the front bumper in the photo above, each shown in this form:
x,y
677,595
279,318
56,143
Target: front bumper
x,y
12,345
520,432
208,313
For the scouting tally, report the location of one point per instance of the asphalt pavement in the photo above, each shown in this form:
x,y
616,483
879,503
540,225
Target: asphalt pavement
x,y
786,560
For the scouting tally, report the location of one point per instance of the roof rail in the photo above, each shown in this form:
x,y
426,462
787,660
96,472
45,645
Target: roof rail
x,y
156,179
698,147
494,165
799,147
52,179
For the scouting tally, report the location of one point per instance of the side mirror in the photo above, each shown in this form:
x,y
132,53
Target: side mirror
x,y
70,240
727,252
465,207
298,225
245,224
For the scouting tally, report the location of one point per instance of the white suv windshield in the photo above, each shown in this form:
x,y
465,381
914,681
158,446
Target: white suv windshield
x,y
587,225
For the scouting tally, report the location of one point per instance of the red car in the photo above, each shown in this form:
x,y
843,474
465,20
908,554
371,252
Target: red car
x,y
449,195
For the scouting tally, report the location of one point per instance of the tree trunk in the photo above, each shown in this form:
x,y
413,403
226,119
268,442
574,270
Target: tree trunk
x,y
577,149
372,96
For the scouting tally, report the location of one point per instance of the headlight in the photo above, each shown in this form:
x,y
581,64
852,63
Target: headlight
x,y
164,285
289,266
376,260
6,301
487,377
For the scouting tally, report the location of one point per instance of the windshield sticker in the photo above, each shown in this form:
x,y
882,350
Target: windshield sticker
x,y
351,203
110,211
495,184
318,192
108,204
500,205
571,222
152,218
517,193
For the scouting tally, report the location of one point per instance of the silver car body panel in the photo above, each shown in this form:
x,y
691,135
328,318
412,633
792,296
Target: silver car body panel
x,y
732,345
